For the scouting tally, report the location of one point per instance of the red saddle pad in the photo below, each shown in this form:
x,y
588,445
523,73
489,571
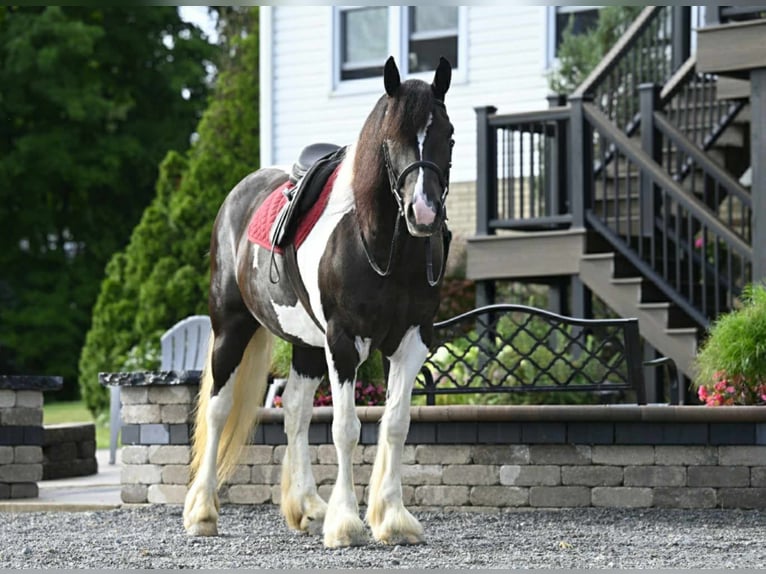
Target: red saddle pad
x,y
259,229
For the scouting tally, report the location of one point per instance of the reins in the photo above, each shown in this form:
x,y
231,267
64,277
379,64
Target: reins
x,y
396,182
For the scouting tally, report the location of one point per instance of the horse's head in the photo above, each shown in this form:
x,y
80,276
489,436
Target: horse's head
x,y
417,146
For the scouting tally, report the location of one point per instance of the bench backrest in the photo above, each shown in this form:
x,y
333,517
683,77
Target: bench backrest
x,y
184,345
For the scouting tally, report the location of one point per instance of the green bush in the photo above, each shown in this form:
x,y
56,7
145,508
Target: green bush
x,y
731,364
162,276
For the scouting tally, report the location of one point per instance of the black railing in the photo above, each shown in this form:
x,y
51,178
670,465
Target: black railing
x,y
503,350
715,15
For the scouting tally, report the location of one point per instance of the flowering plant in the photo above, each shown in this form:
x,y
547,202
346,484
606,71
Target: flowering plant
x,y
734,390
731,364
366,394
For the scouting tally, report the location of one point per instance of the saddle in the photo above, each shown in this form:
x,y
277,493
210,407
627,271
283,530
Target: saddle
x,y
308,175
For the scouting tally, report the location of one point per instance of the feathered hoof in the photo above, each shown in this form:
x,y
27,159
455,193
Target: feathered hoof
x,y
202,529
399,527
345,531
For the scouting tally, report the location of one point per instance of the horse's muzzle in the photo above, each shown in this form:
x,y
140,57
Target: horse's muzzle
x,y
422,218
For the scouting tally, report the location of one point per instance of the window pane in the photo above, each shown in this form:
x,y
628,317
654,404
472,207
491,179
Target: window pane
x,y
428,18
364,42
582,21
433,33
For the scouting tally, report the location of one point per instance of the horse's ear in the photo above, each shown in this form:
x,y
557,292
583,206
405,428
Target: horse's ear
x,y
391,77
442,78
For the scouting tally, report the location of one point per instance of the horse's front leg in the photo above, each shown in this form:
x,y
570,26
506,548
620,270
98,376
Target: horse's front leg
x,y
390,521
342,525
301,505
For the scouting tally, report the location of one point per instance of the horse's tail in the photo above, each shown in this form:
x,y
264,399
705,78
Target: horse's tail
x,y
250,380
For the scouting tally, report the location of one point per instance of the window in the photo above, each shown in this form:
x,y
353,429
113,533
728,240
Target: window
x,y
363,41
365,36
584,19
433,32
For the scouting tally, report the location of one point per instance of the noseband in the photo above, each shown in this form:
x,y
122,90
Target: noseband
x,y
396,183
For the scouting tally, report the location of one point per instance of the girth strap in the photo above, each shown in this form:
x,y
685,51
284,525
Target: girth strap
x,y
293,274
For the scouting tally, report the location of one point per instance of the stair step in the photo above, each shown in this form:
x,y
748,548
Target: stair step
x,y
681,331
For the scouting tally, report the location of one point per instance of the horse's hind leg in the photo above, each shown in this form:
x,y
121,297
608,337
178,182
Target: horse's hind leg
x,y
240,356
301,505
390,522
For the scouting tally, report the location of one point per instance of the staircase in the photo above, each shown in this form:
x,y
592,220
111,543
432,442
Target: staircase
x,y
665,219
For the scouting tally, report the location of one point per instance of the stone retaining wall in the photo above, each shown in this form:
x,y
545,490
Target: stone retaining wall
x,y
69,450
480,457
21,434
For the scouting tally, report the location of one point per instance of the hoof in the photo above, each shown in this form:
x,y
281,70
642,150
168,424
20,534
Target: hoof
x,y
402,539
202,529
348,532
398,527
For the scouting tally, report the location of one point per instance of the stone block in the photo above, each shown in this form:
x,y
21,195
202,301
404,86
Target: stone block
x,y
5,491
21,472
419,474
240,475
134,493
70,468
371,451
686,455
86,449
560,454
134,396
622,496
179,433
674,497
60,452
154,434
325,473
757,476
141,474
266,474
726,476
494,496
655,476
745,498
6,454
441,495
166,454
742,455
530,475
21,416
257,454
135,455
279,453
7,400
175,414
594,475
362,473
500,454
166,493
559,496
28,454
620,455
130,434
172,395
24,490
140,414
176,474
471,474
30,399
442,454
249,494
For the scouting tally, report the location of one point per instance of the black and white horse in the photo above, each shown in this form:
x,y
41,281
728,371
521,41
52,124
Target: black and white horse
x,y
369,284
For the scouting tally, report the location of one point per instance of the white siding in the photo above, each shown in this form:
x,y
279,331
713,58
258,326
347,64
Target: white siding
x,y
506,59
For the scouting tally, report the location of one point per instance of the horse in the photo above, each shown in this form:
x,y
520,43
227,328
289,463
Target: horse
x,y
369,284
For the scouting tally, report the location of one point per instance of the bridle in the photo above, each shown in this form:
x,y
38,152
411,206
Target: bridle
x,y
396,182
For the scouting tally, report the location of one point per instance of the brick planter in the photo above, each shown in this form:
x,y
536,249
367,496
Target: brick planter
x,y
69,450
21,433
487,458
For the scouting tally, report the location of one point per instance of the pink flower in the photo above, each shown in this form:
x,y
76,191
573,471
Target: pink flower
x,y
698,243
702,393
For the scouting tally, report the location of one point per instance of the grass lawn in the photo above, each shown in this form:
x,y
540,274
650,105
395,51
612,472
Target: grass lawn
x,y
75,412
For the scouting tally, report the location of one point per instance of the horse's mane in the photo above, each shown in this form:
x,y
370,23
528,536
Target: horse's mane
x,y
397,119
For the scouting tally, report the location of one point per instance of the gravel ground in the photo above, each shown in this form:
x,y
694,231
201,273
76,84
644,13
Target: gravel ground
x,y
256,537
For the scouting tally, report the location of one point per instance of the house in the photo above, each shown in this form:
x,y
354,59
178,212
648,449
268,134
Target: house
x,y
640,191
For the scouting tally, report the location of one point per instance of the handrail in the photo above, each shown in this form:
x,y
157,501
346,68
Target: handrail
x,y
676,81
708,166
659,177
550,114
618,50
